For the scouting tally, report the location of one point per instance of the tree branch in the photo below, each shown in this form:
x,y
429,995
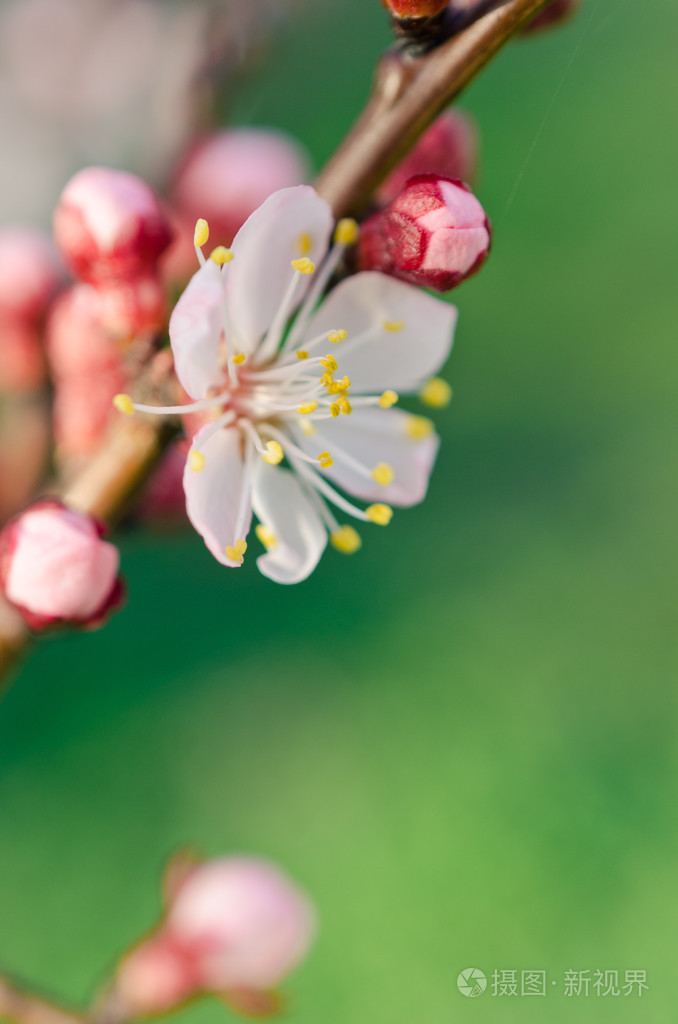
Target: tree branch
x,y
20,1007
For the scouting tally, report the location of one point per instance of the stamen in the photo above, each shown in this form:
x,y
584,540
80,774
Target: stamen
x,y
301,354
196,460
273,454
346,231
383,474
388,399
221,255
393,325
330,363
201,233
329,492
266,536
346,539
436,393
237,552
304,265
337,336
124,404
307,407
379,514
304,243
418,427
325,460
239,358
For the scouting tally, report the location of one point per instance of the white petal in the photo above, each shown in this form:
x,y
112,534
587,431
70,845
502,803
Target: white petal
x,y
195,330
400,359
263,250
215,495
372,436
283,508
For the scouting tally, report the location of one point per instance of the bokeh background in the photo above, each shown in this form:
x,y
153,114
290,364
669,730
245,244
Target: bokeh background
x,y
461,740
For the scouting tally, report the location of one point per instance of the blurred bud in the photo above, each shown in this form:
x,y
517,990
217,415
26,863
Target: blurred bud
x,y
434,234
25,435
76,340
162,500
223,179
30,274
234,926
22,362
56,569
556,12
415,8
130,309
449,148
109,225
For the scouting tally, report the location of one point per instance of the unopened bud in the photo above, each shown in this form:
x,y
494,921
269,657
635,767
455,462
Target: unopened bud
x,y
449,148
30,274
56,569
434,234
556,12
132,309
22,362
415,8
155,977
109,225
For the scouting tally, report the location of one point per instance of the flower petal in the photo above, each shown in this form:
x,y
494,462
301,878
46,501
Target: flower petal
x,y
417,344
216,494
299,536
372,437
291,223
195,330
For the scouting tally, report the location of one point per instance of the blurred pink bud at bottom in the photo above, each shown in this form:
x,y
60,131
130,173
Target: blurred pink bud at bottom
x,y
55,567
449,148
223,179
434,234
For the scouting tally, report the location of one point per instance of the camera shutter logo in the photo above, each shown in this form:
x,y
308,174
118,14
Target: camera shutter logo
x,y
472,982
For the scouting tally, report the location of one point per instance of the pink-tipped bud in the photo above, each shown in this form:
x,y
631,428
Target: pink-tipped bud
x,y
30,274
155,977
109,225
56,569
133,309
449,148
556,12
22,361
244,923
415,8
223,179
434,234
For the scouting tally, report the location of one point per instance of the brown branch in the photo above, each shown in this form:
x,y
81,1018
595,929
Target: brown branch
x,y
21,1007
408,94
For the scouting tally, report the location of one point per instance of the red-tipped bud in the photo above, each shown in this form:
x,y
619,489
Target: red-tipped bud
x,y
556,12
449,148
109,225
56,569
223,179
415,8
30,274
434,234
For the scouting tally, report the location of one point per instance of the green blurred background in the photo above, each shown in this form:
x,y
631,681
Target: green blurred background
x,y
461,740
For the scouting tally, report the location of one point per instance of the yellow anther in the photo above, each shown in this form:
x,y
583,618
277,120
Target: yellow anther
x,y
380,514
304,265
325,460
336,336
124,404
383,474
307,407
196,460
266,536
345,406
301,354
239,358
418,427
307,427
335,409
237,552
330,363
436,393
337,386
221,255
201,233
327,380
393,325
346,231
273,454
346,539
388,399
304,243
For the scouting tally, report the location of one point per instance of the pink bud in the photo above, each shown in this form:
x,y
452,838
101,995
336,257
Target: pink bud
x,y
223,179
22,362
449,148
76,340
30,274
415,8
242,921
556,12
155,977
110,225
434,234
131,309
83,410
55,568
